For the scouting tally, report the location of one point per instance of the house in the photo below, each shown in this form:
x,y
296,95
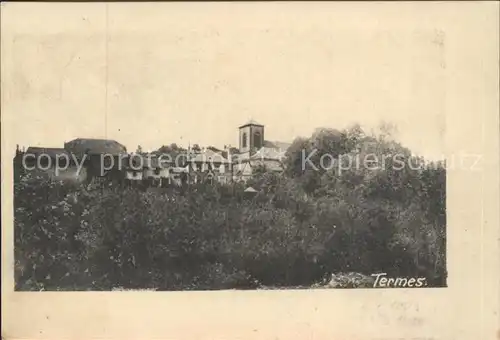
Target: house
x,y
255,151
103,157
179,175
144,166
133,167
54,163
93,146
208,165
134,175
157,168
43,157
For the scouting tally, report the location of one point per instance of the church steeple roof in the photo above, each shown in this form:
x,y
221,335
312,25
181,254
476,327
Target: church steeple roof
x,y
251,122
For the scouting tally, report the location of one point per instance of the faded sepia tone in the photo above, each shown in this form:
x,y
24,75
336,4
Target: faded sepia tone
x,y
105,72
150,74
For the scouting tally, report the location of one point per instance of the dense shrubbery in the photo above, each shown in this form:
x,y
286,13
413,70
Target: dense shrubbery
x,y
299,229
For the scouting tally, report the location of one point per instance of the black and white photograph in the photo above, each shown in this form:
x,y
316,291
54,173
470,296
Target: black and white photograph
x,y
255,149
231,159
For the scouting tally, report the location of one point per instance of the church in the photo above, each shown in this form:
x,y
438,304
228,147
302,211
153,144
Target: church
x,y
208,165
255,151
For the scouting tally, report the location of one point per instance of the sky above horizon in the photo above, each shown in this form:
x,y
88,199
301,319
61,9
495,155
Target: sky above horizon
x,y
192,73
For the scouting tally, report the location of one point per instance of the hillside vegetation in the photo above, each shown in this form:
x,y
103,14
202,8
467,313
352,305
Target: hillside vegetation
x,y
301,227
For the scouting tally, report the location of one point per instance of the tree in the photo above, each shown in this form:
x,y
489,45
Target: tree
x,y
301,227
294,156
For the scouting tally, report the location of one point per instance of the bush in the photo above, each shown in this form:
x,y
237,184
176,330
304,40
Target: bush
x,y
301,229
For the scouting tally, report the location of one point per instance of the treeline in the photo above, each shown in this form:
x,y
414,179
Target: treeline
x,y
297,231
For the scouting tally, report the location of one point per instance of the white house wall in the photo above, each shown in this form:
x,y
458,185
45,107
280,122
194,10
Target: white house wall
x,y
137,176
150,173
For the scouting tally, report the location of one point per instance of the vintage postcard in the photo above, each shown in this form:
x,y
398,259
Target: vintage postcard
x,y
250,170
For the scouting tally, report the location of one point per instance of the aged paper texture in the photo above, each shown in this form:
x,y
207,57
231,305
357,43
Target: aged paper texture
x,y
246,233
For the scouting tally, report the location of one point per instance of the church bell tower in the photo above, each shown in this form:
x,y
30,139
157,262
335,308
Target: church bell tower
x,y
251,136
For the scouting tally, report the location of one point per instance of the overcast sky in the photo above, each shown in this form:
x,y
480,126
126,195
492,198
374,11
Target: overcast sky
x,y
158,73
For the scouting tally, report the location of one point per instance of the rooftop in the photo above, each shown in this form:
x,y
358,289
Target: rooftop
x,y
95,146
208,156
251,122
51,152
283,146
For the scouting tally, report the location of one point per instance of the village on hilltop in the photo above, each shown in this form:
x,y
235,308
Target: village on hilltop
x,y
162,167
